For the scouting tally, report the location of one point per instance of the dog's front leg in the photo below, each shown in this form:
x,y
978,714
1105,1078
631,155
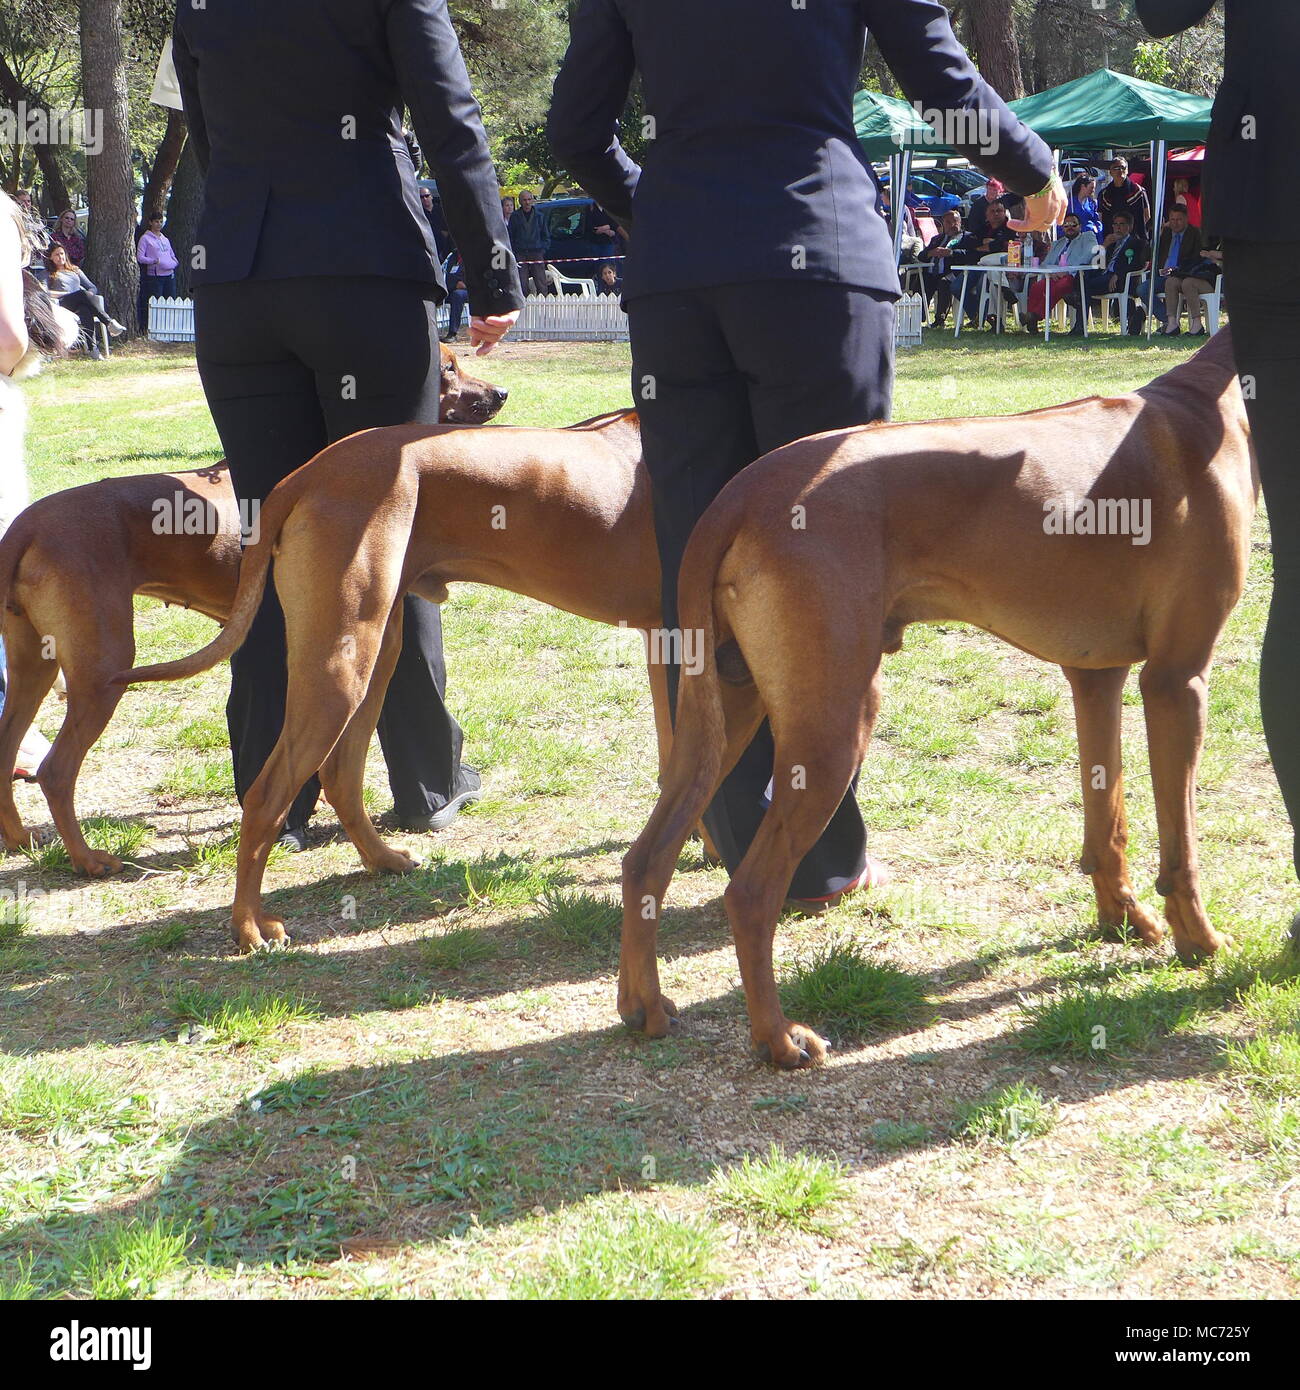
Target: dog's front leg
x,y
1174,698
1098,706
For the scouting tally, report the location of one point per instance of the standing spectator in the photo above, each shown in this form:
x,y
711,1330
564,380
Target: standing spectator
x,y
507,209
157,268
70,287
713,333
457,295
1074,248
66,235
1184,196
35,237
1183,273
1121,194
1252,202
310,328
1083,204
437,222
530,238
18,354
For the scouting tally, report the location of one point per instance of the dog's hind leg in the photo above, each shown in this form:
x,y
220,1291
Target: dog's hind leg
x,y
28,680
702,754
92,644
1174,698
342,774
664,736
819,745
337,588
1098,705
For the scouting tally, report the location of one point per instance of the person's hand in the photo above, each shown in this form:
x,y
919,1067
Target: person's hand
x,y
486,333
1042,210
1113,283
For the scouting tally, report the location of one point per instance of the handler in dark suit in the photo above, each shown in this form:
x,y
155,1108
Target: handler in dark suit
x,y
751,112
1251,198
317,285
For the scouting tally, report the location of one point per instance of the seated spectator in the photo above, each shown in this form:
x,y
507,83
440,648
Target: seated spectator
x,y
609,282
70,287
1126,253
1083,204
1075,248
1122,194
66,235
979,204
910,243
157,268
946,249
997,237
1184,274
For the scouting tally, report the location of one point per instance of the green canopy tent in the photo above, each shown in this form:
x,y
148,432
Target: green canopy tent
x,y
1111,109
889,128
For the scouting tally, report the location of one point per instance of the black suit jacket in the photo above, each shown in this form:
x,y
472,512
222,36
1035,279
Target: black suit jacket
x,y
754,172
294,108
1249,189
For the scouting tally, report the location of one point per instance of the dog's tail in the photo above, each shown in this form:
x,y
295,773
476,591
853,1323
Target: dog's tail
x,y
253,569
700,736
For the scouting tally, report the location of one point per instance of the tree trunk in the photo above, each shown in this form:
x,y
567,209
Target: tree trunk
x,y
183,214
55,190
164,168
992,28
110,185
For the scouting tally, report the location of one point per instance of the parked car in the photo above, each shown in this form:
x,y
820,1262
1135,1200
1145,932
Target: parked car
x,y
933,192
576,250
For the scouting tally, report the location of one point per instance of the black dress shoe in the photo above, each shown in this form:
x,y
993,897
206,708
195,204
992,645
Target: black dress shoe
x,y
468,786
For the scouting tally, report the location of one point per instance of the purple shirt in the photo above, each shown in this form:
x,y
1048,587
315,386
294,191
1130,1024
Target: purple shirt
x,y
155,254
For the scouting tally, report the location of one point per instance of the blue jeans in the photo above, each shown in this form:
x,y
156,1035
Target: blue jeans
x,y
457,303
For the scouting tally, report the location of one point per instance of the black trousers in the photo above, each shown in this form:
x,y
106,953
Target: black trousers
x,y
719,381
289,366
1262,281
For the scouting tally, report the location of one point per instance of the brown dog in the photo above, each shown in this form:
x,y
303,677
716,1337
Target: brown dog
x,y
561,515
810,564
69,566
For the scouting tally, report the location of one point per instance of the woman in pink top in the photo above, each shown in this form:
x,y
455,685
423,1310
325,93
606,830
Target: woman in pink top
x,y
157,268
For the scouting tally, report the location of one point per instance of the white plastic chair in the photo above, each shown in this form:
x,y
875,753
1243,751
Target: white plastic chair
x,y
584,288
1120,299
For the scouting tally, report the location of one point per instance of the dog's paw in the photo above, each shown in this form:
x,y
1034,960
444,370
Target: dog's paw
x,y
95,863
795,1046
657,1019
391,861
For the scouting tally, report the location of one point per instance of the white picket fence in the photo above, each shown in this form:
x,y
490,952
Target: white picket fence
x,y
571,318
909,316
568,318
171,320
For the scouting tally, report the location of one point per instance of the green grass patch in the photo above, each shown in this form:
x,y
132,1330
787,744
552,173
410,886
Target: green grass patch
x,y
835,987
242,1019
603,1254
1008,1116
781,1189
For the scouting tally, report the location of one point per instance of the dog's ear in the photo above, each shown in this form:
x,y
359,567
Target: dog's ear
x,y
45,328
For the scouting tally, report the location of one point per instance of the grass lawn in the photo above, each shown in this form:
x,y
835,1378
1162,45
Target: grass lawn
x,y
429,1094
